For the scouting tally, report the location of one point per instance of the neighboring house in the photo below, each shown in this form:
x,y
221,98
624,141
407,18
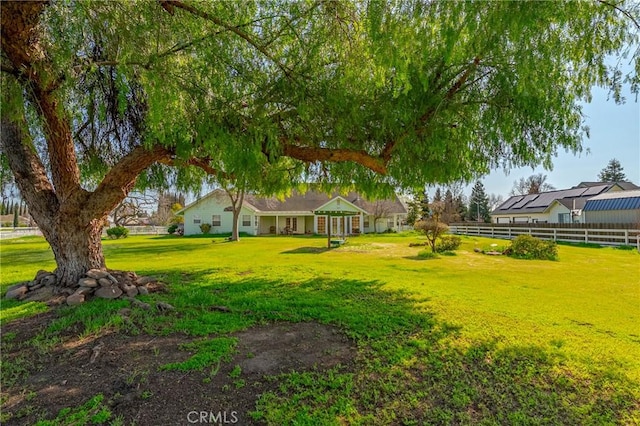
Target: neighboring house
x,y
299,213
614,207
563,206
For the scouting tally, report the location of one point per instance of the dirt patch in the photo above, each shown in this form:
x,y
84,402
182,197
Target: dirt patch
x,y
126,370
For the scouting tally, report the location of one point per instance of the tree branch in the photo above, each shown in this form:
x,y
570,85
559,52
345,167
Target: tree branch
x,y
170,5
624,12
386,153
20,44
30,173
120,179
312,154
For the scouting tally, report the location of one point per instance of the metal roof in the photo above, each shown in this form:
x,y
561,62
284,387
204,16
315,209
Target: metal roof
x,y
620,200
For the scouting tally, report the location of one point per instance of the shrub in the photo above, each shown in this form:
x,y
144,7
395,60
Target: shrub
x,y
432,229
528,247
448,243
117,232
205,228
172,228
426,254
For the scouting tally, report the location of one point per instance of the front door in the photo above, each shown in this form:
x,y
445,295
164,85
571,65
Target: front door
x,y
336,229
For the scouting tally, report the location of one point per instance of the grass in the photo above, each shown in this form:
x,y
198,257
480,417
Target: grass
x,y
458,339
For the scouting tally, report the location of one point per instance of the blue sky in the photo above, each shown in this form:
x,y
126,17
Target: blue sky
x,y
614,133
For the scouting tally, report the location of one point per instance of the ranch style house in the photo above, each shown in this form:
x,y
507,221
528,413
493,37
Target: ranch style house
x,y
298,213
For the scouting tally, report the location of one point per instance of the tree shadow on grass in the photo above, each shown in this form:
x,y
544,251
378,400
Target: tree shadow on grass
x,y
405,351
411,366
306,250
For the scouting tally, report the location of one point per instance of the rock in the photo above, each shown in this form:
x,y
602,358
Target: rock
x,y
35,287
112,278
85,290
145,280
17,292
96,274
220,309
41,294
162,307
56,301
13,287
75,299
88,282
132,291
41,274
124,312
142,290
111,292
105,282
48,280
477,250
138,304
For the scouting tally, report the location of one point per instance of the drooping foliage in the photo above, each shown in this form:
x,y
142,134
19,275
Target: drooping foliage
x,y
100,97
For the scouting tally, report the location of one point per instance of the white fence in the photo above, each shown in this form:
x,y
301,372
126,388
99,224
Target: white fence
x,y
603,236
7,233
144,230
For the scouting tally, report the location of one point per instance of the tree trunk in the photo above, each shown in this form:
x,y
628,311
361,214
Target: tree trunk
x,y
235,235
77,247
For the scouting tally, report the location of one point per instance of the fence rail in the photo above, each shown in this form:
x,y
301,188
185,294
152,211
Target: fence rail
x,y
613,235
7,233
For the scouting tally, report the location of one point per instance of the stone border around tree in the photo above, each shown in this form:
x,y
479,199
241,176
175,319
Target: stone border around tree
x,y
109,284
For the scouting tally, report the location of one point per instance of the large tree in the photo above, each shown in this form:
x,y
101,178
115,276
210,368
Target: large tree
x,y
479,209
613,172
533,184
100,96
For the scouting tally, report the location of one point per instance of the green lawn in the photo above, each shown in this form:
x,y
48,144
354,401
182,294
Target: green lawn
x,y
458,339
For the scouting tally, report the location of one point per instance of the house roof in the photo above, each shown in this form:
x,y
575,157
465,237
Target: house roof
x,y
310,201
623,185
620,200
539,203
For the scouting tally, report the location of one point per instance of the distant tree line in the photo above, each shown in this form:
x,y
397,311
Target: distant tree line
x,y
13,207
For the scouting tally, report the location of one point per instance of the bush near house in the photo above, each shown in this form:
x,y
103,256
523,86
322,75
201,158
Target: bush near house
x,y
205,228
172,228
528,247
117,232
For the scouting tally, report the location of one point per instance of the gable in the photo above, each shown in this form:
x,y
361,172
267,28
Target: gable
x,y
339,205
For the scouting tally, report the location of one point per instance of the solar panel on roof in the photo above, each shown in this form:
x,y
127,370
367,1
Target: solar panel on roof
x,y
572,192
525,201
510,202
543,200
595,190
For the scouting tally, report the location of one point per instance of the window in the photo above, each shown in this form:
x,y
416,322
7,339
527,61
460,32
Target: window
x,y
215,220
322,224
355,224
246,220
564,218
390,223
256,221
196,220
366,222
